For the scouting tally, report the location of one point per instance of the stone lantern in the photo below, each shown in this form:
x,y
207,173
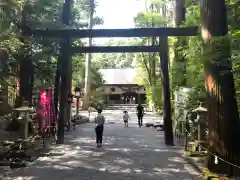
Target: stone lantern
x,y
24,112
200,120
78,94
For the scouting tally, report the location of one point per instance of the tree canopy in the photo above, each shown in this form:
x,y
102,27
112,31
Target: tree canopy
x,y
15,18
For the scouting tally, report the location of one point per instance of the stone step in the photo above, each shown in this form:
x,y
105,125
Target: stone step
x,y
124,105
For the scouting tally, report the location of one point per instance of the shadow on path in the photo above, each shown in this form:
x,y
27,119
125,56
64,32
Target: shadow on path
x,y
128,153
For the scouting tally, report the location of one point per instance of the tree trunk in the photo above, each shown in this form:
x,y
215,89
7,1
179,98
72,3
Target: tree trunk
x,y
26,66
87,89
223,117
153,69
25,89
66,58
5,108
179,63
3,82
57,84
69,85
31,85
179,12
153,58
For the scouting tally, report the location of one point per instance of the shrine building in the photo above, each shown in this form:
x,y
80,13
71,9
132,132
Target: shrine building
x,y
121,86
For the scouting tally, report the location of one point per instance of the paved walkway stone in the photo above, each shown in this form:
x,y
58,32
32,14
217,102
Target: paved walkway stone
x,y
128,154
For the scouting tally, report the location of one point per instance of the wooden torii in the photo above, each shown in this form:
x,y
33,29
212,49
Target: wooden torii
x,y
67,50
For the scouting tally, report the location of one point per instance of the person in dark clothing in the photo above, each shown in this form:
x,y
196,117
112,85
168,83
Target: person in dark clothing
x,y
127,100
140,113
99,121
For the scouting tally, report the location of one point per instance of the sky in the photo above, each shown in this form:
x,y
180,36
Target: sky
x,y
117,14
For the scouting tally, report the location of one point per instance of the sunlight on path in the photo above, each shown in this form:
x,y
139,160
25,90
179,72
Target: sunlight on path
x,y
128,153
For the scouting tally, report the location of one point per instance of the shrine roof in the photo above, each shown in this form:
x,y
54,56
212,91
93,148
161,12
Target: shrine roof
x,y
119,76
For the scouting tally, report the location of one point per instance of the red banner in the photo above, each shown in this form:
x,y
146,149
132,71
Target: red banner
x,y
46,100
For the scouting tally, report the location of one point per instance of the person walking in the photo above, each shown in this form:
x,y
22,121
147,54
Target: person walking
x,y
89,111
99,121
140,113
125,118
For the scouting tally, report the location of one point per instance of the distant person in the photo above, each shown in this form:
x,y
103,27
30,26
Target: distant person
x,y
128,100
123,100
140,113
134,100
99,121
125,118
90,110
131,100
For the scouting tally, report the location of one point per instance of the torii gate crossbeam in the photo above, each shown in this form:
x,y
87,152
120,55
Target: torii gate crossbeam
x,y
103,33
114,49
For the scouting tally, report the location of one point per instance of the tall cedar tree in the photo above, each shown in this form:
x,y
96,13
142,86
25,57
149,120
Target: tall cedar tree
x,y
179,63
223,117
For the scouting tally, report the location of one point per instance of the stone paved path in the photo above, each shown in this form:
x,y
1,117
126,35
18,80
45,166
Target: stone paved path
x,y
128,154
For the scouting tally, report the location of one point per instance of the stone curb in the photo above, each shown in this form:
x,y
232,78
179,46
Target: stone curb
x,y
82,122
198,167
193,163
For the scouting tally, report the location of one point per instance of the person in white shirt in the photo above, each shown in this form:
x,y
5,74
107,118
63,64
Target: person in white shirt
x,y
134,100
99,121
89,111
125,118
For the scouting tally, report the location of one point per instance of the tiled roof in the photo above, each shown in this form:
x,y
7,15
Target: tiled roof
x,y
119,76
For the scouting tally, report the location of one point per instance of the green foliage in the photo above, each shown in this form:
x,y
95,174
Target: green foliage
x,y
114,60
195,75
157,97
148,19
233,19
193,15
17,16
79,73
193,53
148,63
96,78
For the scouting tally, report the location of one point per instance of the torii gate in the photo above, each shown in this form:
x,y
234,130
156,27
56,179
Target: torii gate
x,y
67,51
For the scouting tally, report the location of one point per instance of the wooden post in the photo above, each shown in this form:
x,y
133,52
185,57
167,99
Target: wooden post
x,y
167,110
77,106
69,85
187,127
26,114
87,86
69,71
66,58
57,83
